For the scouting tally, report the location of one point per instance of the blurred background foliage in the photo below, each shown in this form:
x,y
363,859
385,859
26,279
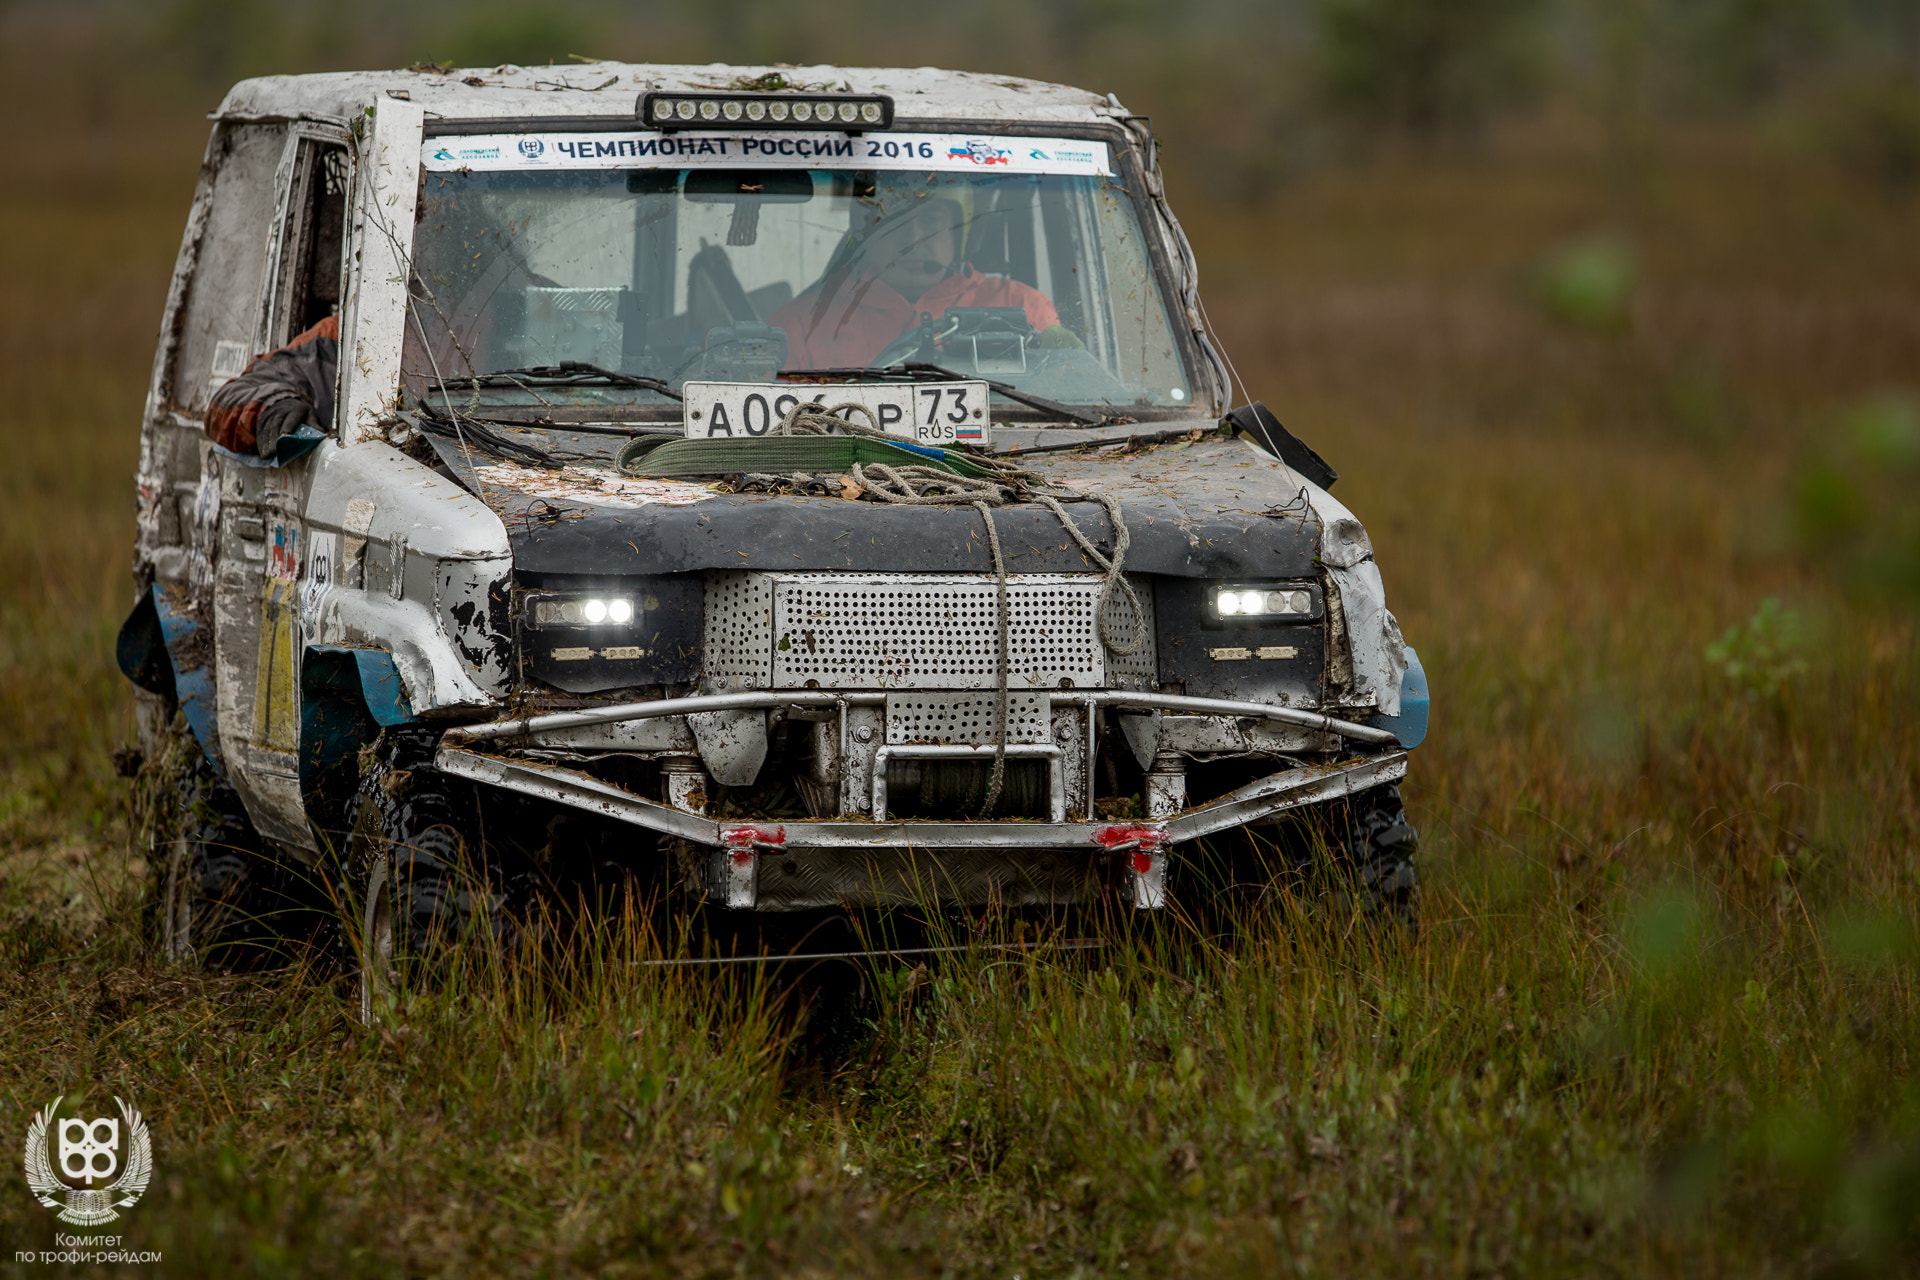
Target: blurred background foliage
x,y
1609,313
1259,87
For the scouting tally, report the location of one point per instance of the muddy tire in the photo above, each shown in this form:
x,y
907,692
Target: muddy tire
x,y
213,901
426,886
1374,855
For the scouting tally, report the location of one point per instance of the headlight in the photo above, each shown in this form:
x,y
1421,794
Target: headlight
x,y
581,611
1266,601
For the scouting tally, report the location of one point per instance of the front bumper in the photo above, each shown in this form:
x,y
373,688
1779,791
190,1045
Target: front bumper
x,y
792,866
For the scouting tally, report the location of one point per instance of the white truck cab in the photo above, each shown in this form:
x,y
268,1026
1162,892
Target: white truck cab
x,y
815,490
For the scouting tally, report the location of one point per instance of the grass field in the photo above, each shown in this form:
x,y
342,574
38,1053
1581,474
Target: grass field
x,y
1665,1013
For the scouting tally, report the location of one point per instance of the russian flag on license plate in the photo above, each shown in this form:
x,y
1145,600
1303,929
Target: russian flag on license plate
x,y
970,433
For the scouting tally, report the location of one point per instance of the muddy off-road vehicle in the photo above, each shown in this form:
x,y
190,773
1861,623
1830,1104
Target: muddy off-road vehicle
x,y
806,491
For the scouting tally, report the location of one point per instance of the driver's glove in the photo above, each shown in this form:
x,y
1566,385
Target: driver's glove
x,y
282,417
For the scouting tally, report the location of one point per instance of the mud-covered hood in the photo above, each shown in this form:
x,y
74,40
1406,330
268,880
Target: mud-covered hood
x,y
1212,508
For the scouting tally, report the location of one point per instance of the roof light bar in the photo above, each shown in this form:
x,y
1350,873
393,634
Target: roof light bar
x,y
841,112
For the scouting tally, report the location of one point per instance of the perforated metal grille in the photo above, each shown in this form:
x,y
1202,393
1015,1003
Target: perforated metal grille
x,y
1141,668
739,639
926,631
912,631
966,717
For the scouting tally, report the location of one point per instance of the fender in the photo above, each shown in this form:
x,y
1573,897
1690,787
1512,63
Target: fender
x,y
404,560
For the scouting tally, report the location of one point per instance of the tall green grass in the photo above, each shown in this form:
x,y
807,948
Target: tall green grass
x,y
1662,1016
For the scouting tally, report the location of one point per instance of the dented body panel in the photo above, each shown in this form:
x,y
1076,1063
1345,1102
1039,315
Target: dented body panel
x,y
404,559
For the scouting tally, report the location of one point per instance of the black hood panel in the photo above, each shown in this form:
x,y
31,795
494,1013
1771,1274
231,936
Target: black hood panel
x,y
830,535
1216,508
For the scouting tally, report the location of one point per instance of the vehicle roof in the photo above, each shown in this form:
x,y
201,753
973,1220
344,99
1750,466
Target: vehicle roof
x,y
612,89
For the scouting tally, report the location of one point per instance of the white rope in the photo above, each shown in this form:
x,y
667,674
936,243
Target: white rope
x,y
815,419
928,486
1121,540
999,775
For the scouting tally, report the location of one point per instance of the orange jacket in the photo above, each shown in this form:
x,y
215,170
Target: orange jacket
x,y
305,368
841,327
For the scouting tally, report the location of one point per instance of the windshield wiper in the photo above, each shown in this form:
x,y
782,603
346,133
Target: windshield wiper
x,y
1135,440
920,371
472,433
568,373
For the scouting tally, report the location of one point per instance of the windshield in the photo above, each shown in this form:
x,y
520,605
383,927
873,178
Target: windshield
x,y
1018,260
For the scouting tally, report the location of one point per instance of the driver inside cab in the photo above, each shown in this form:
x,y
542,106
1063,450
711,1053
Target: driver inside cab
x,y
907,261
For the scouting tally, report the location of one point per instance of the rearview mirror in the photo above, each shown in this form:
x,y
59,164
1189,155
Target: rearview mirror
x,y
728,186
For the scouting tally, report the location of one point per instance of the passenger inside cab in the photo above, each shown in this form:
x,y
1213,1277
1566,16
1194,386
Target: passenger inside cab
x,y
906,267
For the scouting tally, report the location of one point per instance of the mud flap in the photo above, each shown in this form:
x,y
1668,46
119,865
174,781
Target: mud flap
x,y
188,671
347,696
141,649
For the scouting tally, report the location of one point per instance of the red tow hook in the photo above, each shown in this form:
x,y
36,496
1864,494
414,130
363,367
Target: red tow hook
x,y
1147,860
744,843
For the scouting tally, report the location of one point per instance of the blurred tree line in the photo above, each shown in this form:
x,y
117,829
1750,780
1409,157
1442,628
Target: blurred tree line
x,y
1255,87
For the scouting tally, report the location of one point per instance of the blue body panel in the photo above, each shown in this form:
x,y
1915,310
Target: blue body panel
x,y
380,685
292,447
1410,726
193,686
347,696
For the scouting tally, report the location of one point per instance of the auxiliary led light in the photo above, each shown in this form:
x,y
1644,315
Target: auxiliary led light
x,y
1263,602
550,611
723,109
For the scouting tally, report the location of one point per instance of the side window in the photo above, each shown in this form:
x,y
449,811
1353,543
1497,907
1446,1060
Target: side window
x,y
307,283
217,328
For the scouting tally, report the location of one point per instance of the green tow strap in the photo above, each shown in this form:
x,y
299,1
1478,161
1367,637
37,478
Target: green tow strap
x,y
778,455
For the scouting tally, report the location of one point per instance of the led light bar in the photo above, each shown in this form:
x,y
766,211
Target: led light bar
x,y
1264,602
581,611
841,112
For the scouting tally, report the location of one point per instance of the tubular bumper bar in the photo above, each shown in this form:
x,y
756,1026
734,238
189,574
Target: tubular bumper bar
x,y
1120,699
1263,798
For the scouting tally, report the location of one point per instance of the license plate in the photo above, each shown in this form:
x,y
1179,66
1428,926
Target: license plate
x,y
927,413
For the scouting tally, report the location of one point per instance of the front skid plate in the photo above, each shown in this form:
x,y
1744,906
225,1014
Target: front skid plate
x,y
1260,799
815,879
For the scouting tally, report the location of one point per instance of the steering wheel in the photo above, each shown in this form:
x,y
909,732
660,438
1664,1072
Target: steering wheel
x,y
907,346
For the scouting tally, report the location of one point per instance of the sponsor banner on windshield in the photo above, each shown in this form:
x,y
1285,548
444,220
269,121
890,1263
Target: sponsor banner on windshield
x,y
957,152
